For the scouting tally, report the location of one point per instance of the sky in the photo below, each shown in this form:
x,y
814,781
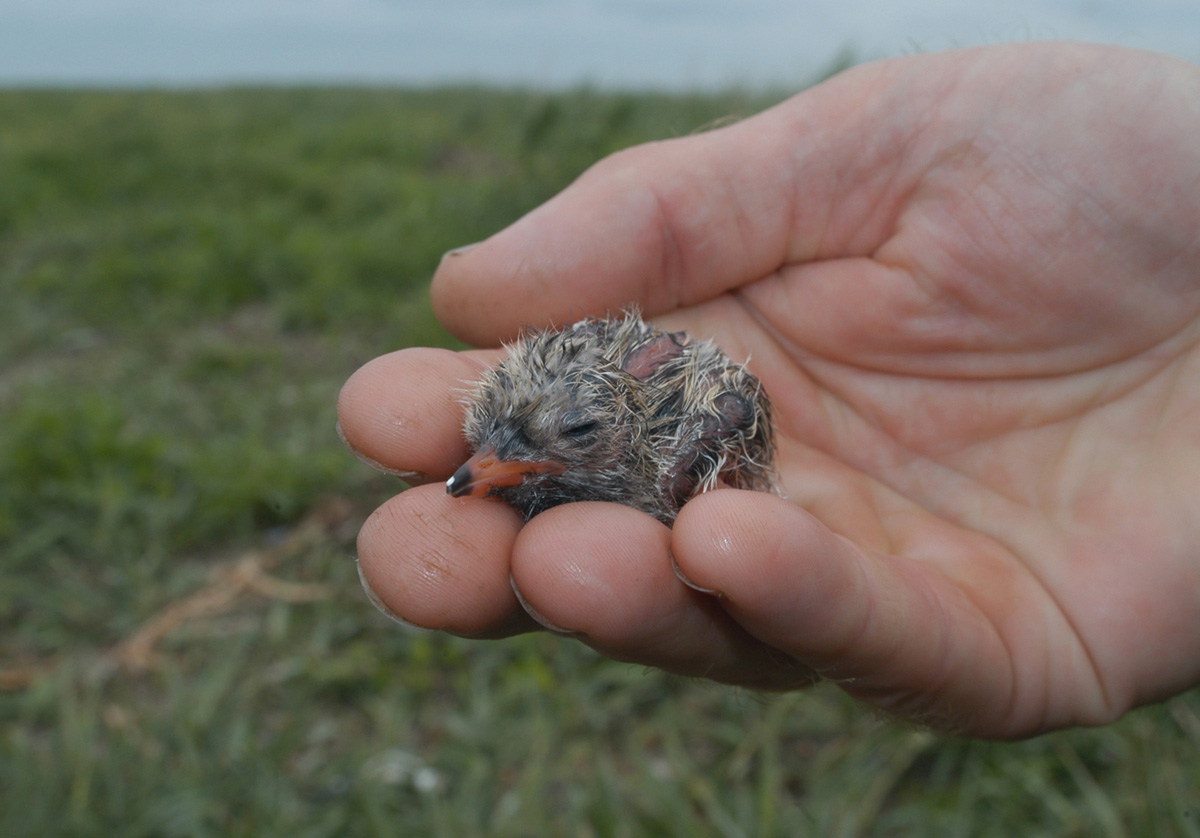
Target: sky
x,y
637,44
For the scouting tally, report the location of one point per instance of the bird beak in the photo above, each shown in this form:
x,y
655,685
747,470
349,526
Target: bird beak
x,y
485,471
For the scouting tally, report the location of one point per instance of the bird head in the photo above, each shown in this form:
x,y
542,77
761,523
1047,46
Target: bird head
x,y
555,421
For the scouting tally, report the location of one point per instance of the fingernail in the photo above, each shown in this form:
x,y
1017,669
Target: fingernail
x,y
381,606
683,578
537,616
413,477
459,251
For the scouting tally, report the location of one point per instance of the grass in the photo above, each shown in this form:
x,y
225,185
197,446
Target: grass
x,y
184,648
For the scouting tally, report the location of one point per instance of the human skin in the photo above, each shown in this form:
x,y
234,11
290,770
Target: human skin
x,y
970,282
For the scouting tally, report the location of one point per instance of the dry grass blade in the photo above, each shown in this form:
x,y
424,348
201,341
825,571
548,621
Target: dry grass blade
x,y
247,574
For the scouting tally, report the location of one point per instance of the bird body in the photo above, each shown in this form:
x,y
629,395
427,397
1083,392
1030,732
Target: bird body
x,y
615,410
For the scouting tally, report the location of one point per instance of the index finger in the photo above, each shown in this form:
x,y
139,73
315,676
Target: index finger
x,y
401,413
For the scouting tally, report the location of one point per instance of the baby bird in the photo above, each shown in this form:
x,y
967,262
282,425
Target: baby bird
x,y
614,410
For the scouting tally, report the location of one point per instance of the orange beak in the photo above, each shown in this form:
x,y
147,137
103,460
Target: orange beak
x,y
485,471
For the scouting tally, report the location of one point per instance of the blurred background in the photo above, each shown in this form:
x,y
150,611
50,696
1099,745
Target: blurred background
x,y
631,44
210,214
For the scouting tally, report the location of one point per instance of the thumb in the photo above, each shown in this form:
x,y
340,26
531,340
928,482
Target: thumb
x,y
678,222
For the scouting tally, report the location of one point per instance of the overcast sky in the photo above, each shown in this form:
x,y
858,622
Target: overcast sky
x,y
671,44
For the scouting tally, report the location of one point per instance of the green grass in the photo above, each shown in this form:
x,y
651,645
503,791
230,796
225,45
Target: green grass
x,y
187,279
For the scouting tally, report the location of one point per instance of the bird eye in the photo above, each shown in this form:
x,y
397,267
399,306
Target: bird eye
x,y
582,429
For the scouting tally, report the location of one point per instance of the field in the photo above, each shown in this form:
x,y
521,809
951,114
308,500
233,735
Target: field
x,y
186,279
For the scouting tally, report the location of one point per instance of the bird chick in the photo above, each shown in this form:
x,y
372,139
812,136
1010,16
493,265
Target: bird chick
x,y
614,410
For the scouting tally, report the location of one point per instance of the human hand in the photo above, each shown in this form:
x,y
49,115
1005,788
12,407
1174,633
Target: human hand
x,y
970,283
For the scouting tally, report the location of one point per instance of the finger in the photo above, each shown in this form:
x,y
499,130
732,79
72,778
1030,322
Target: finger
x,y
402,412
887,629
442,563
621,596
672,223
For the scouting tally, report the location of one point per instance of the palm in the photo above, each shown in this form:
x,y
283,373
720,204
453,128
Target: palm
x,y
967,360
979,328
929,409
1048,468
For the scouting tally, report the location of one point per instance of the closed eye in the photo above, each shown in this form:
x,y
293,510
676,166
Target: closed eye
x,y
582,429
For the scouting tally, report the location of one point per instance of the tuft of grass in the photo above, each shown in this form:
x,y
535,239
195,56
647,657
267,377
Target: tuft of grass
x,y
187,279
